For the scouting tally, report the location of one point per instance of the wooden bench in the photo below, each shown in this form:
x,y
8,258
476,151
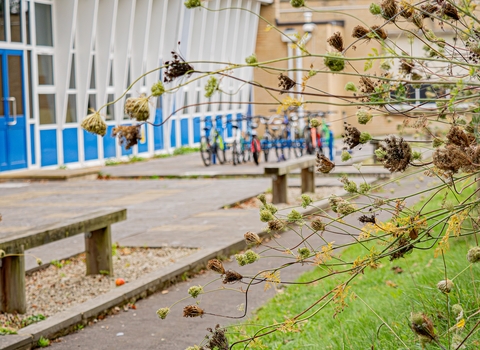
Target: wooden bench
x,y
280,171
98,248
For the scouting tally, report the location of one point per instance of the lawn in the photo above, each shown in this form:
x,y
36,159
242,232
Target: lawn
x,y
378,304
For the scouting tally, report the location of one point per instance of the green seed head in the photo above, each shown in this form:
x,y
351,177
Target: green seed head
x,y
195,291
297,3
473,255
163,312
346,156
306,200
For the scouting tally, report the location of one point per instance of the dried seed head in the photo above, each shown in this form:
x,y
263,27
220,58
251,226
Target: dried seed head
x,y
450,11
216,265
389,9
351,136
176,68
406,66
324,165
217,340
367,85
138,108
192,311
252,239
360,32
445,286
451,158
397,153
94,123
377,32
276,225
285,83
128,135
367,219
458,137
406,9
428,10
163,312
232,277
422,326
417,19
195,291
473,255
317,225
378,202
336,41
402,247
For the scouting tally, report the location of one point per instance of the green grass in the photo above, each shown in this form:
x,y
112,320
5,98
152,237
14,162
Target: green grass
x,y
43,342
392,297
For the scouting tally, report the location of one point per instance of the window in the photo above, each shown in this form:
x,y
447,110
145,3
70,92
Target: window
x,y
2,21
43,24
92,75
111,108
16,21
46,105
71,109
72,84
45,70
30,84
92,103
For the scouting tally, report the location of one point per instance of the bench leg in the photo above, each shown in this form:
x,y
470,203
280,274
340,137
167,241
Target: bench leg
x,y
98,248
308,180
279,189
12,284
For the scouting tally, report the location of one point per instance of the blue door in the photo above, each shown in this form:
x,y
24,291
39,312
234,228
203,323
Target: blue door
x,y
13,137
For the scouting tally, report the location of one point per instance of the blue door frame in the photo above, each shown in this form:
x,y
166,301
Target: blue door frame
x,y
13,134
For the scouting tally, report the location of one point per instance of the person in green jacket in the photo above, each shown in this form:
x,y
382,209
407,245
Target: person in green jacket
x,y
327,140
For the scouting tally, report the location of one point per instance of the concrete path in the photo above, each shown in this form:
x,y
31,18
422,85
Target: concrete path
x,y
142,329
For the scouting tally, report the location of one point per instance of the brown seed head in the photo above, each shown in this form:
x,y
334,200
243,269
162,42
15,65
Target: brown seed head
x,y
389,9
398,153
360,32
252,239
450,11
216,265
217,340
232,277
128,135
176,68
428,10
138,108
458,137
276,225
351,136
382,33
406,9
451,158
422,326
192,311
318,225
285,83
336,41
367,85
324,165
406,66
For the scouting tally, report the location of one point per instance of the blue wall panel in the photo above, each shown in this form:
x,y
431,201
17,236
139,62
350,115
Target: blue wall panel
x,y
143,143
184,131
90,145
158,131
70,145
109,144
229,126
32,143
173,136
196,130
48,147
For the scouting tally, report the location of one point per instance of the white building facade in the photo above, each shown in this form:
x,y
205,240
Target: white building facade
x,y
61,58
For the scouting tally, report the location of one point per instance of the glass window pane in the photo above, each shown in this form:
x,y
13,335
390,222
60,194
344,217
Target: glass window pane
x,y
159,102
111,108
92,103
2,20
72,83
46,106
110,80
127,96
92,75
15,82
27,20
43,24
30,85
71,109
16,21
45,70
2,111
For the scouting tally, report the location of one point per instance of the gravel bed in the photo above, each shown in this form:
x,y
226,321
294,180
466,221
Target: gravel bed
x,y
64,284
294,197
